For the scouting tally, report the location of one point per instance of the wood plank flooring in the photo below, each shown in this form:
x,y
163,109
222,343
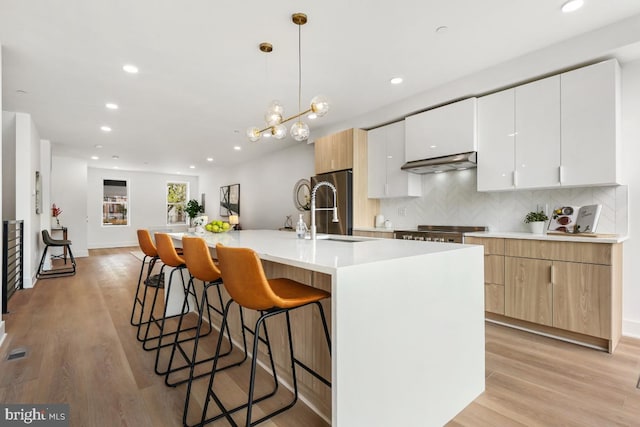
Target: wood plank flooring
x,y
81,350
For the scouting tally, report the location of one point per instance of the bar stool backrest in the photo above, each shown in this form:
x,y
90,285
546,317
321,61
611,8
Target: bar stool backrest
x,y
166,251
244,279
198,259
146,244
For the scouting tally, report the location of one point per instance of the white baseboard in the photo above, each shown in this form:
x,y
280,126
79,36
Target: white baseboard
x,y
631,328
112,245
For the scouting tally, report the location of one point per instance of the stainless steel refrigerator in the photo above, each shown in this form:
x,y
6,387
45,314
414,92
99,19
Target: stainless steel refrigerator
x,y
343,181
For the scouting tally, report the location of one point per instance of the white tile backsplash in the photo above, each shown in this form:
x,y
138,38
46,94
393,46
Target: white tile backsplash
x,y
452,199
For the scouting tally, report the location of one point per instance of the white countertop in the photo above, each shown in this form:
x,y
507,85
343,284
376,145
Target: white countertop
x,y
555,237
322,255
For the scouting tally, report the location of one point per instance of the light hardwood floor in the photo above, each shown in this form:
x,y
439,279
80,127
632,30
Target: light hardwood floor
x,y
82,351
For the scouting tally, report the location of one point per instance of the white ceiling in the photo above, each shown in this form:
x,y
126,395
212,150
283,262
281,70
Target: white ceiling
x,y
203,81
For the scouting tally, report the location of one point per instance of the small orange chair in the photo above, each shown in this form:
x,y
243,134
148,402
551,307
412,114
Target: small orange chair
x,y
150,252
245,281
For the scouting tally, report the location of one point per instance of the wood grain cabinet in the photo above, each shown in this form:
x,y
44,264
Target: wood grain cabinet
x,y
570,290
493,273
335,152
349,150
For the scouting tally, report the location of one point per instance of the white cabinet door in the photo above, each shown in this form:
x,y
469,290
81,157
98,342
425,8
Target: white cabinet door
x,y
386,151
377,167
590,146
446,130
537,136
496,142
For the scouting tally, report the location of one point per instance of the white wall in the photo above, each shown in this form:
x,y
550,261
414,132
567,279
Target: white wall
x,y
8,165
69,193
2,333
631,153
147,208
266,186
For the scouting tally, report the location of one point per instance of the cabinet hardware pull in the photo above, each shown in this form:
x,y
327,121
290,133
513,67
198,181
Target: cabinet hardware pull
x,y
515,178
560,174
552,274
386,189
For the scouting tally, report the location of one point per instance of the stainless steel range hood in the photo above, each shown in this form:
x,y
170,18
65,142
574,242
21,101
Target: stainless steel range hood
x,y
443,164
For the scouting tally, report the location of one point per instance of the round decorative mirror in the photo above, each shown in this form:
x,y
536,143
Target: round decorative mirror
x,y
302,195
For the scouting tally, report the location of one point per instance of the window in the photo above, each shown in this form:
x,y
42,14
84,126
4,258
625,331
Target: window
x,y
115,202
177,195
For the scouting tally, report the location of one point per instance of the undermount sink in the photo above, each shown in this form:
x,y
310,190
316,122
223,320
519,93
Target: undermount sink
x,y
347,239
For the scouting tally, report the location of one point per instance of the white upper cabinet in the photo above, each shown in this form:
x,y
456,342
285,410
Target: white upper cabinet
x,y
558,131
496,147
537,134
446,130
386,152
590,125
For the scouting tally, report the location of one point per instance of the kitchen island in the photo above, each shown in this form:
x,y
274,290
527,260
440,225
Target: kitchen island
x,y
407,324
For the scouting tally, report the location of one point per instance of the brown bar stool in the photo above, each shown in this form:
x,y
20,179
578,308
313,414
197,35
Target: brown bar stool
x,y
170,258
150,252
201,267
55,272
246,283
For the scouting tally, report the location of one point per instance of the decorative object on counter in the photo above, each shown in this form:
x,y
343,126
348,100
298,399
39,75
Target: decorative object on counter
x,y
388,224
575,219
55,212
199,223
234,221
301,228
193,209
230,200
302,195
379,221
274,116
536,220
218,226
288,223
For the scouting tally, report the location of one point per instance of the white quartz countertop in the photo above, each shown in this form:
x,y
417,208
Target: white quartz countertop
x,y
609,238
322,255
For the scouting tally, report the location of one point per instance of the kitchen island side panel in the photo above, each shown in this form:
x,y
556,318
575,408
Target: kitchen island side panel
x,y
409,339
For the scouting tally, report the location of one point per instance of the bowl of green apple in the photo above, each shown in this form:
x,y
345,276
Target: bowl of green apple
x,y
218,226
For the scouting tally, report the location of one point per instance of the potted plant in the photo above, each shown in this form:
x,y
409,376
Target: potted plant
x,y
536,220
193,209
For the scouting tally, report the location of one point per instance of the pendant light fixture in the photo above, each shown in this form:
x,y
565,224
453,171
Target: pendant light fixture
x,y
274,117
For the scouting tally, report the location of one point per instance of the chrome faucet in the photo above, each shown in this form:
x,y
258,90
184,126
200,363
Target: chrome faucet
x,y
314,209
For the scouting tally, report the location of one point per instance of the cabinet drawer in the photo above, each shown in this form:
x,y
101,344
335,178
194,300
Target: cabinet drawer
x,y
494,298
492,246
494,269
590,253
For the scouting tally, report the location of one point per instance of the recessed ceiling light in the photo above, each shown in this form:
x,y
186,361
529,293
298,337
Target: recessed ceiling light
x,y
116,167
396,80
21,92
111,106
209,159
442,29
192,166
94,157
130,68
266,135
98,146
572,5
433,146
312,116
105,128
237,148
114,157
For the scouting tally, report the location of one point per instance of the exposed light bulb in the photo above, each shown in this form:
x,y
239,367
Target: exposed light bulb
x,y
572,5
300,131
320,105
279,132
253,134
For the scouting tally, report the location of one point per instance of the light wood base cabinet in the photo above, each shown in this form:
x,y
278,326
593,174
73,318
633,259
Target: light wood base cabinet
x,y
569,290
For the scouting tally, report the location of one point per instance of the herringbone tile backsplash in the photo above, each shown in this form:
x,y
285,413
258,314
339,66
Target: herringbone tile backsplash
x,y
451,199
